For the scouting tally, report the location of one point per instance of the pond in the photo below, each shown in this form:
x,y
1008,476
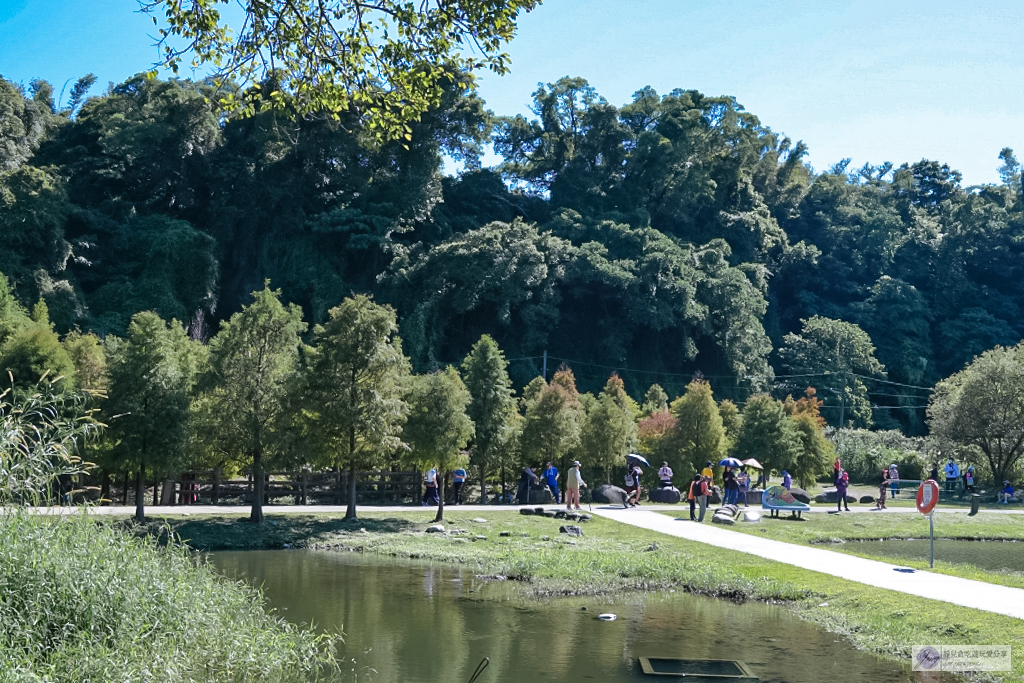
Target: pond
x,y
419,623
998,556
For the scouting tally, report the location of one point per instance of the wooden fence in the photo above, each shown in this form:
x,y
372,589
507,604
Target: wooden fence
x,y
304,488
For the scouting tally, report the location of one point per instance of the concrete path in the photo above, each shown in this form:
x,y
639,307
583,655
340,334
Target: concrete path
x,y
171,510
952,589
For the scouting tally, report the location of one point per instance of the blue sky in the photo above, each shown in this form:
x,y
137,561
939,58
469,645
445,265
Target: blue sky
x,y
876,81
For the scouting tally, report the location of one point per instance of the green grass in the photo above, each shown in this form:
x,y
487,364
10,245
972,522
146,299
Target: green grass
x,y
817,528
86,602
616,557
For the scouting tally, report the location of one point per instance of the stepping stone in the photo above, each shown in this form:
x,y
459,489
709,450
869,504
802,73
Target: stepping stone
x,y
505,534
572,530
479,520
526,511
436,529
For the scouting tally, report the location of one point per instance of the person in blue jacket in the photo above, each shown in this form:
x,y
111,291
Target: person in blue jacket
x,y
551,479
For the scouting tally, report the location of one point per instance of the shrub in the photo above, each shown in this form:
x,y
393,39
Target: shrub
x,y
84,601
864,453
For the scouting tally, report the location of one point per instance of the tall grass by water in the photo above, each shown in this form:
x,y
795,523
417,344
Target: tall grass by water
x,y
87,602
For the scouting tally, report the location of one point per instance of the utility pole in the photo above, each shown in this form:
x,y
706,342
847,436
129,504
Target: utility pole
x,y
544,369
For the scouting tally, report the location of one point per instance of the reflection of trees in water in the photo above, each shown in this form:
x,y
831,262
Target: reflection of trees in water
x,y
414,623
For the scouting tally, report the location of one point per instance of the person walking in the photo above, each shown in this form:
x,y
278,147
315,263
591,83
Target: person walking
x,y
633,485
702,496
458,481
969,479
842,484
573,483
551,479
692,493
883,489
430,494
527,479
665,476
952,472
894,480
787,480
934,474
742,486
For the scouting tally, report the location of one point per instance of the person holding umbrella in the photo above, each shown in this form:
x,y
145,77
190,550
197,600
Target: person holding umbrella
x,y
633,478
729,484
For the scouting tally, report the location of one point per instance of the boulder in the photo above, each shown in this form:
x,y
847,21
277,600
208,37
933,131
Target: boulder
x,y
832,496
867,499
606,493
549,513
666,494
505,534
582,517
479,520
538,511
526,511
721,518
480,538
715,497
572,530
436,529
800,494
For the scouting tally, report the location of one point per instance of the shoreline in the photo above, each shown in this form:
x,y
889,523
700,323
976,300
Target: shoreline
x,y
612,557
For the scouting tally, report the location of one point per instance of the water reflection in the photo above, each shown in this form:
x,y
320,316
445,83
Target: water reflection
x,y
427,624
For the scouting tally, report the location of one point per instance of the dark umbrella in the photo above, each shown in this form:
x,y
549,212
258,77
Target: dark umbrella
x,y
638,458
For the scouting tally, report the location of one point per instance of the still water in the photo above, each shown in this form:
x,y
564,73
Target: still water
x,y
998,556
419,623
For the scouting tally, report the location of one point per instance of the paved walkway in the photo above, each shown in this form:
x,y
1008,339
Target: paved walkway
x,y
168,510
952,589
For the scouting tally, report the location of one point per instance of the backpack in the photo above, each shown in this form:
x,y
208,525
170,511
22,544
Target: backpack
x,y
629,478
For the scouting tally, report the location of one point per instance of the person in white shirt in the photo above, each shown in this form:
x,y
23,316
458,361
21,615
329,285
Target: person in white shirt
x,y
430,495
665,475
573,483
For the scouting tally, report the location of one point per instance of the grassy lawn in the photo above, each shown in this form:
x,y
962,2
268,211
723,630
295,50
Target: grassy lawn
x,y
615,557
817,528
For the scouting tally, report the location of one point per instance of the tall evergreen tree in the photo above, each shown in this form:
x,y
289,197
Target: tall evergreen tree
x,y
699,435
768,434
152,372
437,428
354,387
609,430
491,407
252,358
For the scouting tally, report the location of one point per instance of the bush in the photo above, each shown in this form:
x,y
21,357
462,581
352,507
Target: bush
x,y
864,453
84,601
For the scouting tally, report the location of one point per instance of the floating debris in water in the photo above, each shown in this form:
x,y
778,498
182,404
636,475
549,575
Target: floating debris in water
x,y
607,617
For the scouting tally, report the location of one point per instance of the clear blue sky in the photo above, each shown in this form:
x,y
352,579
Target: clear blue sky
x,y
876,81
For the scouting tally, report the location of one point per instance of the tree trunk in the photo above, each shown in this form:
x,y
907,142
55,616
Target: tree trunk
x,y
140,494
350,511
503,501
156,492
124,488
440,497
104,486
483,485
256,515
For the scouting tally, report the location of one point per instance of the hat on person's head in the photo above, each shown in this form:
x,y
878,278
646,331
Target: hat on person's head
x,y
575,463
665,463
1006,481
709,463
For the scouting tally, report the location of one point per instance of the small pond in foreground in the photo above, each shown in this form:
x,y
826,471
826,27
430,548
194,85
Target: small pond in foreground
x,y
417,623
996,556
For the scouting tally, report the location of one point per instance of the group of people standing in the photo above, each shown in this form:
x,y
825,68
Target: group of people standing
x,y
573,483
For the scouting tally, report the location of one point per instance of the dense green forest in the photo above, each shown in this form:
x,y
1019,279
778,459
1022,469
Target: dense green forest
x,y
672,237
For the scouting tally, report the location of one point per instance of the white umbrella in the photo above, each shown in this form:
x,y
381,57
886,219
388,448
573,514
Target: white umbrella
x,y
750,462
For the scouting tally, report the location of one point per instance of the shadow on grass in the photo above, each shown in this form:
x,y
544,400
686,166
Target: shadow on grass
x,y
290,531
